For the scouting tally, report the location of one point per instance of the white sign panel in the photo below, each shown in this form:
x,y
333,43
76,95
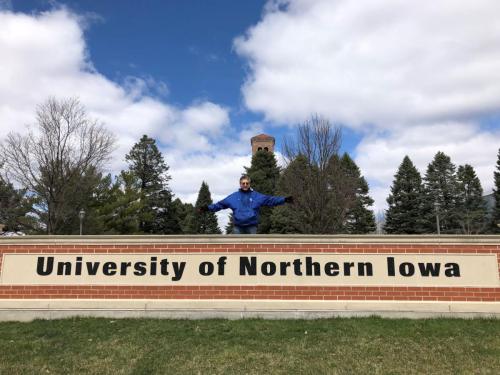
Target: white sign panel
x,y
473,270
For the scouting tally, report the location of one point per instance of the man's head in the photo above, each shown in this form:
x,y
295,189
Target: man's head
x,y
245,182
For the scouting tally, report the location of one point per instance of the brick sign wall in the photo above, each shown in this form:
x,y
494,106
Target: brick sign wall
x,y
293,268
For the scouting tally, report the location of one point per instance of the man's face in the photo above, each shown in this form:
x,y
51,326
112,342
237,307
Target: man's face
x,y
244,185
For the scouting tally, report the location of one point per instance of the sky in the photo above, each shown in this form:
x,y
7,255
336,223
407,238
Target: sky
x,y
203,77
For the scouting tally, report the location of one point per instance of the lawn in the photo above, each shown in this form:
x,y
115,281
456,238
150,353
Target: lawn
x,y
251,346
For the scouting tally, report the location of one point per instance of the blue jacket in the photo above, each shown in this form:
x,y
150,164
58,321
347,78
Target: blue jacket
x,y
246,205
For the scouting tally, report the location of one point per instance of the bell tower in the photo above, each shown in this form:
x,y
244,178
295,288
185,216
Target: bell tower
x,y
262,142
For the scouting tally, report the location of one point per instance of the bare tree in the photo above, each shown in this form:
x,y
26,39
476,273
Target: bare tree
x,y
53,156
317,139
316,144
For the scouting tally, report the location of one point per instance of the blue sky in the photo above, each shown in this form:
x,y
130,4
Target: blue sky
x,y
202,77
185,44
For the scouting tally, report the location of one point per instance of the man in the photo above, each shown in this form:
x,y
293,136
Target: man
x,y
246,204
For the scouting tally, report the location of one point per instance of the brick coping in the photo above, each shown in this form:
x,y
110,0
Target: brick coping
x,y
255,239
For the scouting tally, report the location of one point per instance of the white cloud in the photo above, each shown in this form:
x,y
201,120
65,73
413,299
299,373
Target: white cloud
x,y
137,87
382,62
194,128
413,77
45,55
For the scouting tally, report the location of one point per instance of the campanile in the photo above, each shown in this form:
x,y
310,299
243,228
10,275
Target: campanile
x,y
262,142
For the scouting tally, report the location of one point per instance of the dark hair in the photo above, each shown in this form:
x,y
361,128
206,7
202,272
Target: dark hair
x,y
245,177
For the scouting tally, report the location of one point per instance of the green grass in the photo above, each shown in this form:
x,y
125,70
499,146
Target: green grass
x,y
329,346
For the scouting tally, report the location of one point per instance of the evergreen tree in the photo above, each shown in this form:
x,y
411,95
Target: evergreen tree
x,y
495,217
359,219
404,215
167,214
264,173
101,210
123,209
294,181
230,225
205,222
441,194
156,214
186,216
341,187
146,162
114,206
284,220
15,207
471,207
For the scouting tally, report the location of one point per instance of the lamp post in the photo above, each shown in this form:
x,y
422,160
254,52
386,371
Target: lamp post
x,y
436,207
81,215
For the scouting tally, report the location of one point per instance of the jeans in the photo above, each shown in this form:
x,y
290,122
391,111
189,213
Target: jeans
x,y
252,229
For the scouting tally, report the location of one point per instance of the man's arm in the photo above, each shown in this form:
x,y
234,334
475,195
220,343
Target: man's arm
x,y
268,200
221,205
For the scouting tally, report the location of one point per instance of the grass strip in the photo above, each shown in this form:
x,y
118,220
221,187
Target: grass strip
x,y
251,346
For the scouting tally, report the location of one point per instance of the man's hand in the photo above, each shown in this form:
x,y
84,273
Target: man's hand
x,y
203,208
289,199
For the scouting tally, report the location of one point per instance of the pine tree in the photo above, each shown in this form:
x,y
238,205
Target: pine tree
x,y
230,225
299,216
264,173
123,209
186,215
14,208
471,207
167,214
100,213
147,163
341,186
359,219
284,220
156,214
114,206
495,217
205,222
441,194
404,215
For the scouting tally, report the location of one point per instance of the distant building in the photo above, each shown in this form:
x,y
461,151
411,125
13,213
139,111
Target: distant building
x,y
262,142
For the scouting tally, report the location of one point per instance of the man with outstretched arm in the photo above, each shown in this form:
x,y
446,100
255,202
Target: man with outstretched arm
x,y
246,204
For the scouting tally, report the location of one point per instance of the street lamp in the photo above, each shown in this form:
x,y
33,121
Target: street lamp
x,y
81,215
436,207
